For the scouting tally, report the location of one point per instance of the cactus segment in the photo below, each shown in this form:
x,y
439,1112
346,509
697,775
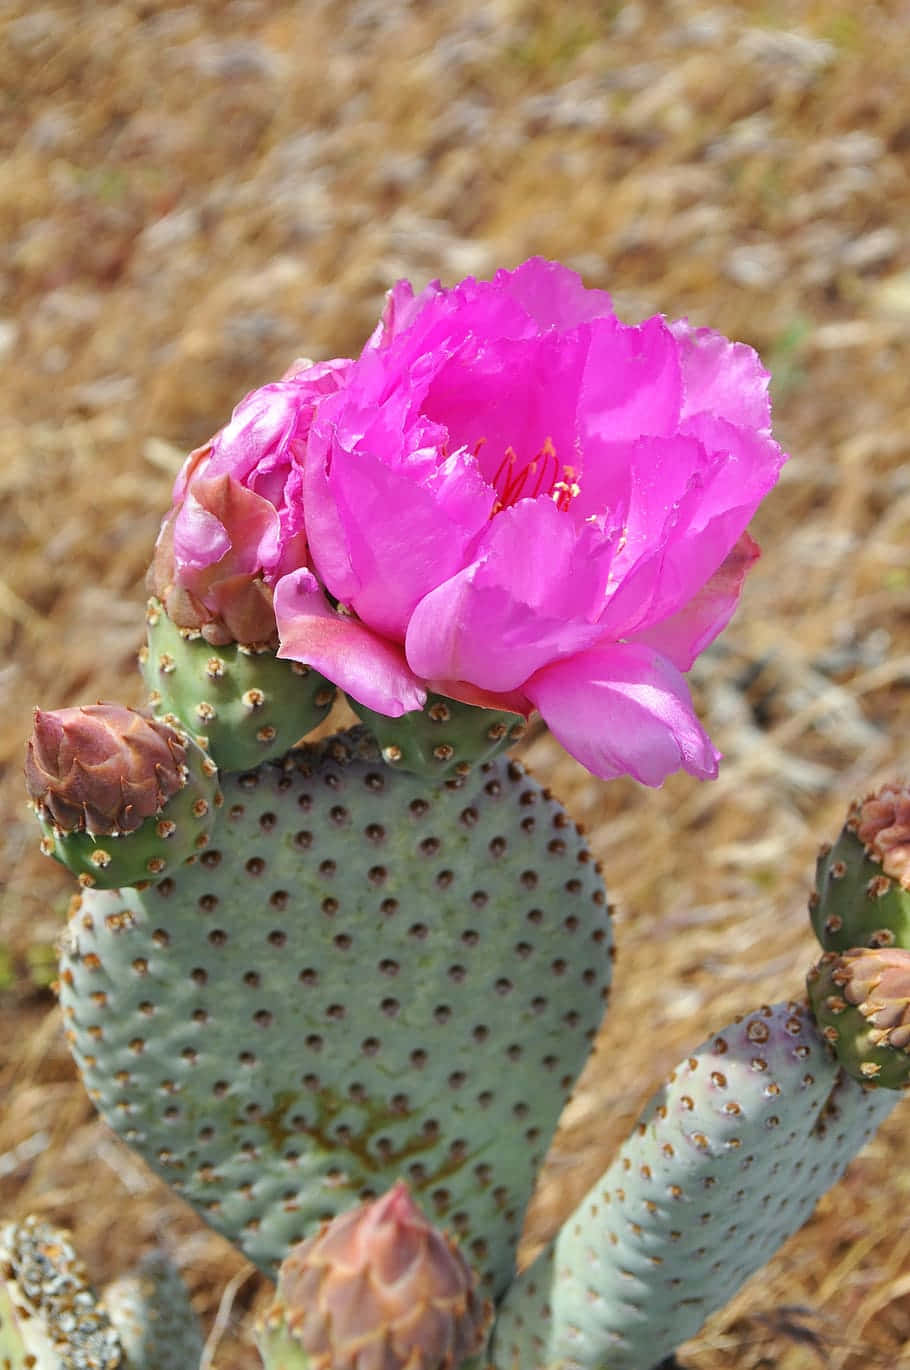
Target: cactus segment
x,y
365,978
727,1161
446,737
862,883
861,1001
49,1317
129,823
248,705
154,1318
377,1286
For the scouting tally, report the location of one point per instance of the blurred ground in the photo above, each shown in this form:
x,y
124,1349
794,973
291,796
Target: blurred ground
x,y
193,194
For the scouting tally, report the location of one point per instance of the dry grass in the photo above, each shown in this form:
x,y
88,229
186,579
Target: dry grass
x,y
192,194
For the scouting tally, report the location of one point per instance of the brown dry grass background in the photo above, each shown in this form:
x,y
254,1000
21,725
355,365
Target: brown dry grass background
x,y
193,194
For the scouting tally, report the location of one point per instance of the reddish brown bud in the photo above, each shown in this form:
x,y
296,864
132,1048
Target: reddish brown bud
x,y
380,1288
882,824
102,769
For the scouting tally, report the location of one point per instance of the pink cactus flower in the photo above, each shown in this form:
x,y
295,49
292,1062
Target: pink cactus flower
x,y
236,523
514,499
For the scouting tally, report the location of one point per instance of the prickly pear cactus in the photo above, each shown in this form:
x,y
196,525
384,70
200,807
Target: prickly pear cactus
x,y
365,977
862,888
50,1318
247,705
152,1314
727,1161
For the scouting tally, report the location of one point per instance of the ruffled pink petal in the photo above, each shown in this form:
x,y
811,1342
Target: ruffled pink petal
x,y
512,396
365,665
722,377
399,538
222,521
624,710
532,594
552,295
632,383
673,544
684,634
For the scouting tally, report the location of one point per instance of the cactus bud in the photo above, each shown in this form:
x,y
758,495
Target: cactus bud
x,y
862,890
883,826
861,1000
101,769
121,797
376,1289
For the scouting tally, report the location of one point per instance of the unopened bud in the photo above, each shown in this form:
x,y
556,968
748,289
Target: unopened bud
x,y
379,1288
861,1000
121,798
102,768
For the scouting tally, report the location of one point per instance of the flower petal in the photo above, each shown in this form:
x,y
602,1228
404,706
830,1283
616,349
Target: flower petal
x,y
624,710
391,539
684,634
365,665
511,611
722,377
632,383
552,295
223,522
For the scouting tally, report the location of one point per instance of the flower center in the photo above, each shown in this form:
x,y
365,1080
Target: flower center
x,y
541,475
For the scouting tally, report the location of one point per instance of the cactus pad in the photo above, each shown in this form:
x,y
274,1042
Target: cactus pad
x,y
446,737
49,1316
862,884
152,1313
364,978
728,1160
248,705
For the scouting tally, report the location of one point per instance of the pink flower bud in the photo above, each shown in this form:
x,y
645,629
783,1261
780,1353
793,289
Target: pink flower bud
x,y
236,523
380,1288
102,768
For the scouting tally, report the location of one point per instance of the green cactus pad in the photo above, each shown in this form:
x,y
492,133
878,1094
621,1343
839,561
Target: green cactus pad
x,y
154,1318
158,847
861,1001
364,978
49,1316
445,738
854,903
248,705
727,1161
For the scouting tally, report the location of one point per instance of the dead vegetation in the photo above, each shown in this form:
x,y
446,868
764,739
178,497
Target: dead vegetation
x,y
193,194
